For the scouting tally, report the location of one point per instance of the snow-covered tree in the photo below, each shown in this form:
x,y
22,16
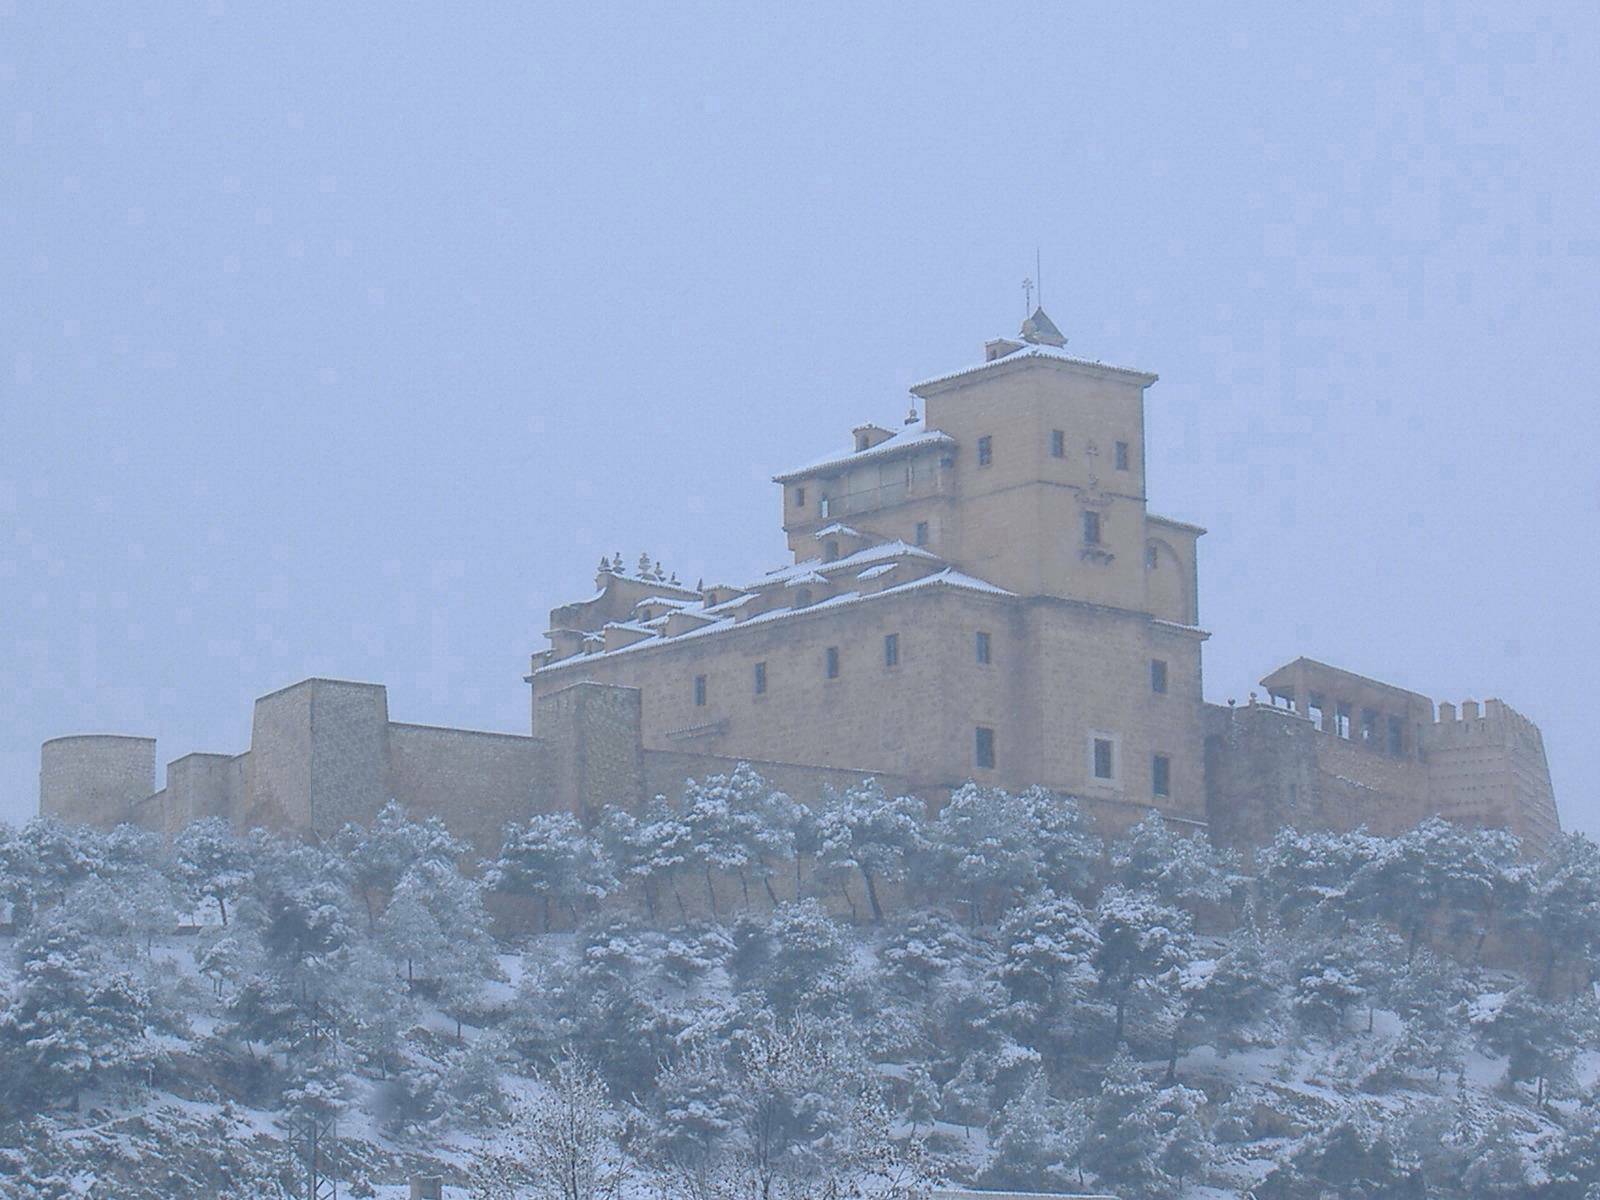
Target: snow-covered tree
x,y
983,847
1033,1141
1068,851
920,949
1563,912
1540,1039
72,1018
1123,1138
1048,949
377,856
1177,868
1143,945
1301,875
806,969
864,834
550,857
561,1143
210,864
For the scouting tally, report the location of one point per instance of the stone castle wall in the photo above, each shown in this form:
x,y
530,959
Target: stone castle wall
x,y
96,779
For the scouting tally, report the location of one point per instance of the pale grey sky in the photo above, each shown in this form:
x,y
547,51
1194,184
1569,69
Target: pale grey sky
x,y
344,342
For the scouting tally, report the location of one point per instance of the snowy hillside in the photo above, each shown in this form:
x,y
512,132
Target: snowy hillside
x,y
739,996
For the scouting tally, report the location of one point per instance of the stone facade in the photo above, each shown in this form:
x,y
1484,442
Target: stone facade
x,y
980,593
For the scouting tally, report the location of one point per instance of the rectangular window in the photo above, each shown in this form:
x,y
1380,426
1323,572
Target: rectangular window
x,y
830,550
983,748
1161,775
1158,676
761,679
1317,710
824,507
1341,721
1122,456
985,450
1058,444
983,648
799,497
1091,529
921,535
1369,727
833,662
1104,759
700,691
891,649
1397,738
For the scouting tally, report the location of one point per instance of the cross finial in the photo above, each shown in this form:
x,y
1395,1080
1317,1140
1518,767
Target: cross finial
x,y
1027,296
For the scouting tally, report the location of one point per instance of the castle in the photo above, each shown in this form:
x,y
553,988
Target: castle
x,y
979,593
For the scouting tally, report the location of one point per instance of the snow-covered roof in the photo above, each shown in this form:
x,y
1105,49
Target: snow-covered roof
x,y
947,578
916,436
669,601
836,527
861,558
874,572
1027,351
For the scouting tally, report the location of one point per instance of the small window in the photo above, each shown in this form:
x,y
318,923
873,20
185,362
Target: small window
x,y
1341,721
1104,759
1151,557
1122,456
833,662
1058,443
825,506
1317,710
983,748
1369,727
984,648
700,691
1397,737
1158,676
985,450
921,535
830,549
1161,775
761,679
1091,529
891,649
800,497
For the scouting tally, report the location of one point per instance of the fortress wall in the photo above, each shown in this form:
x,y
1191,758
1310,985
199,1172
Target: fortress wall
x,y
1489,769
594,753
200,786
318,757
95,779
1268,768
474,782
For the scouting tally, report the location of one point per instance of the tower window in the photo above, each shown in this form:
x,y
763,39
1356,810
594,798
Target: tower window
x,y
1105,759
1369,726
1161,775
983,748
921,535
985,450
891,649
833,662
700,691
1058,443
824,506
1397,739
1091,529
1341,720
1158,676
983,648
799,497
1122,456
761,679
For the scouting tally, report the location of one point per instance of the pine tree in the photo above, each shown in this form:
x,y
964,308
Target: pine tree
x,y
210,864
865,833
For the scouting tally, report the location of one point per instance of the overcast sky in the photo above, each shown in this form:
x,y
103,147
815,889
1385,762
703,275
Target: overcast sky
x,y
344,343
